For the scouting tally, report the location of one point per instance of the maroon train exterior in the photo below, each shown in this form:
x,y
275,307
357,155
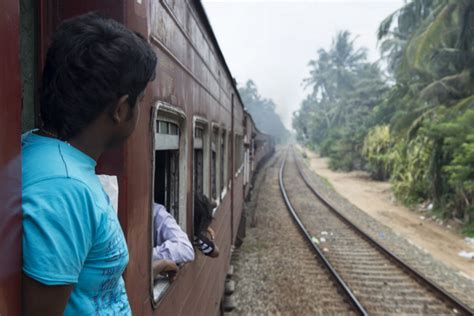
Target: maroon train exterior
x,y
193,130
260,147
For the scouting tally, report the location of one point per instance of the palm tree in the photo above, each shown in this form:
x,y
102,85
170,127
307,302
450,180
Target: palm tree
x,y
398,28
345,88
432,42
429,45
334,69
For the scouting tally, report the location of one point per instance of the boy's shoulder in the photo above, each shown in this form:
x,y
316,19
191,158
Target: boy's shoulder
x,y
160,213
47,164
41,161
44,158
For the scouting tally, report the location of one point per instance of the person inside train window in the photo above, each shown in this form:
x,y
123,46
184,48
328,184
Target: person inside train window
x,y
203,234
170,242
74,251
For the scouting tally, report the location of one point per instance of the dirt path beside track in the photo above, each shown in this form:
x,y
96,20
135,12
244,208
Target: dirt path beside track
x,y
375,198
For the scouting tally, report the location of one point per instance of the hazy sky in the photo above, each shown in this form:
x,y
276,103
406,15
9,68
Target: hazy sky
x,y
271,42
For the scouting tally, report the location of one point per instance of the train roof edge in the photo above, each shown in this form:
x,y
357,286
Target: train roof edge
x,y
201,11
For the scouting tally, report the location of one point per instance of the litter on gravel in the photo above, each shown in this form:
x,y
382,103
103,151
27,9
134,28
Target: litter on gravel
x,y
315,240
465,254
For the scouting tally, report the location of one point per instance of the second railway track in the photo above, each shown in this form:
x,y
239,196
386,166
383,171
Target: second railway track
x,y
380,282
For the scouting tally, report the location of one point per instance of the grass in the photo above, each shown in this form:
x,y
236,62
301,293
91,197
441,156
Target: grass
x,y
468,229
326,182
307,161
439,212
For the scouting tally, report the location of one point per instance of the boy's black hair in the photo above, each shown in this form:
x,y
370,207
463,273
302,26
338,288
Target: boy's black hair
x,y
91,63
202,213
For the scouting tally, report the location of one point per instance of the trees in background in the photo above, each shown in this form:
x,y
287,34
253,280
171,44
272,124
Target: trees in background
x,y
419,131
345,88
263,112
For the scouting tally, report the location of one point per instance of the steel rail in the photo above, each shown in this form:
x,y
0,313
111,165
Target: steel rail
x,y
327,264
418,276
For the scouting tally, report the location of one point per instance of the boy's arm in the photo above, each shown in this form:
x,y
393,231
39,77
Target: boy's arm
x,y
176,245
207,246
55,243
39,299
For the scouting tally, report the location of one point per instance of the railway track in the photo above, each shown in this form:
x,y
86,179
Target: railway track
x,y
279,275
375,280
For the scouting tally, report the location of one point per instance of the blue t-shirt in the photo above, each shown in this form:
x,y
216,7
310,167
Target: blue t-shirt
x,y
71,233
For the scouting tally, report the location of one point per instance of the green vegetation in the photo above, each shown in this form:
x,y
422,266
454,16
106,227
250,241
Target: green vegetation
x,y
413,125
345,90
468,229
377,151
263,112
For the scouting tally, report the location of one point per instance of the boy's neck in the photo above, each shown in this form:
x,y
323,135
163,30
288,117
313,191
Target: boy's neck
x,y
90,141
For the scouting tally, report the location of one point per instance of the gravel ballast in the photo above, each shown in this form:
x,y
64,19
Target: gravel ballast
x,y
267,276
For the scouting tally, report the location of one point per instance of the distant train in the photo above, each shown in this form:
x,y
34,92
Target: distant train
x,y
193,136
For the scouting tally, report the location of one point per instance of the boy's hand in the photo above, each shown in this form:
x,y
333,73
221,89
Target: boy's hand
x,y
166,268
212,235
215,253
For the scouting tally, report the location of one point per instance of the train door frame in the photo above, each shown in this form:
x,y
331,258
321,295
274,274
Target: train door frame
x,y
10,159
162,111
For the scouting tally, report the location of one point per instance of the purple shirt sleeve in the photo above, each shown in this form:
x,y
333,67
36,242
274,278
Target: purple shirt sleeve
x,y
169,240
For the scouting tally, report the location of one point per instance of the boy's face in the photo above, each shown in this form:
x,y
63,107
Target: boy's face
x,y
125,119
134,115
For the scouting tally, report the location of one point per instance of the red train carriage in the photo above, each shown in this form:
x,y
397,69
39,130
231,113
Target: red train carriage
x,y
193,135
259,146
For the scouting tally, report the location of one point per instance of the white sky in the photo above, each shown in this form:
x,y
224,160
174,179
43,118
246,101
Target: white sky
x,y
271,42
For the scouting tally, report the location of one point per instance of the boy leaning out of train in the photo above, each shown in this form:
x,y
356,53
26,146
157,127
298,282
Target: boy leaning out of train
x,y
74,250
204,235
171,245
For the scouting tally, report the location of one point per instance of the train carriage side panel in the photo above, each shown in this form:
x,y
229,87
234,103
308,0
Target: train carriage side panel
x,y
10,160
191,76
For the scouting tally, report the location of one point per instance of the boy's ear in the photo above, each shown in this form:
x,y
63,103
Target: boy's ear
x,y
121,110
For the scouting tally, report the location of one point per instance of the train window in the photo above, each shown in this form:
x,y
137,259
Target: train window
x,y
239,154
167,181
229,159
166,190
201,156
223,164
214,162
162,127
246,160
198,160
169,174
